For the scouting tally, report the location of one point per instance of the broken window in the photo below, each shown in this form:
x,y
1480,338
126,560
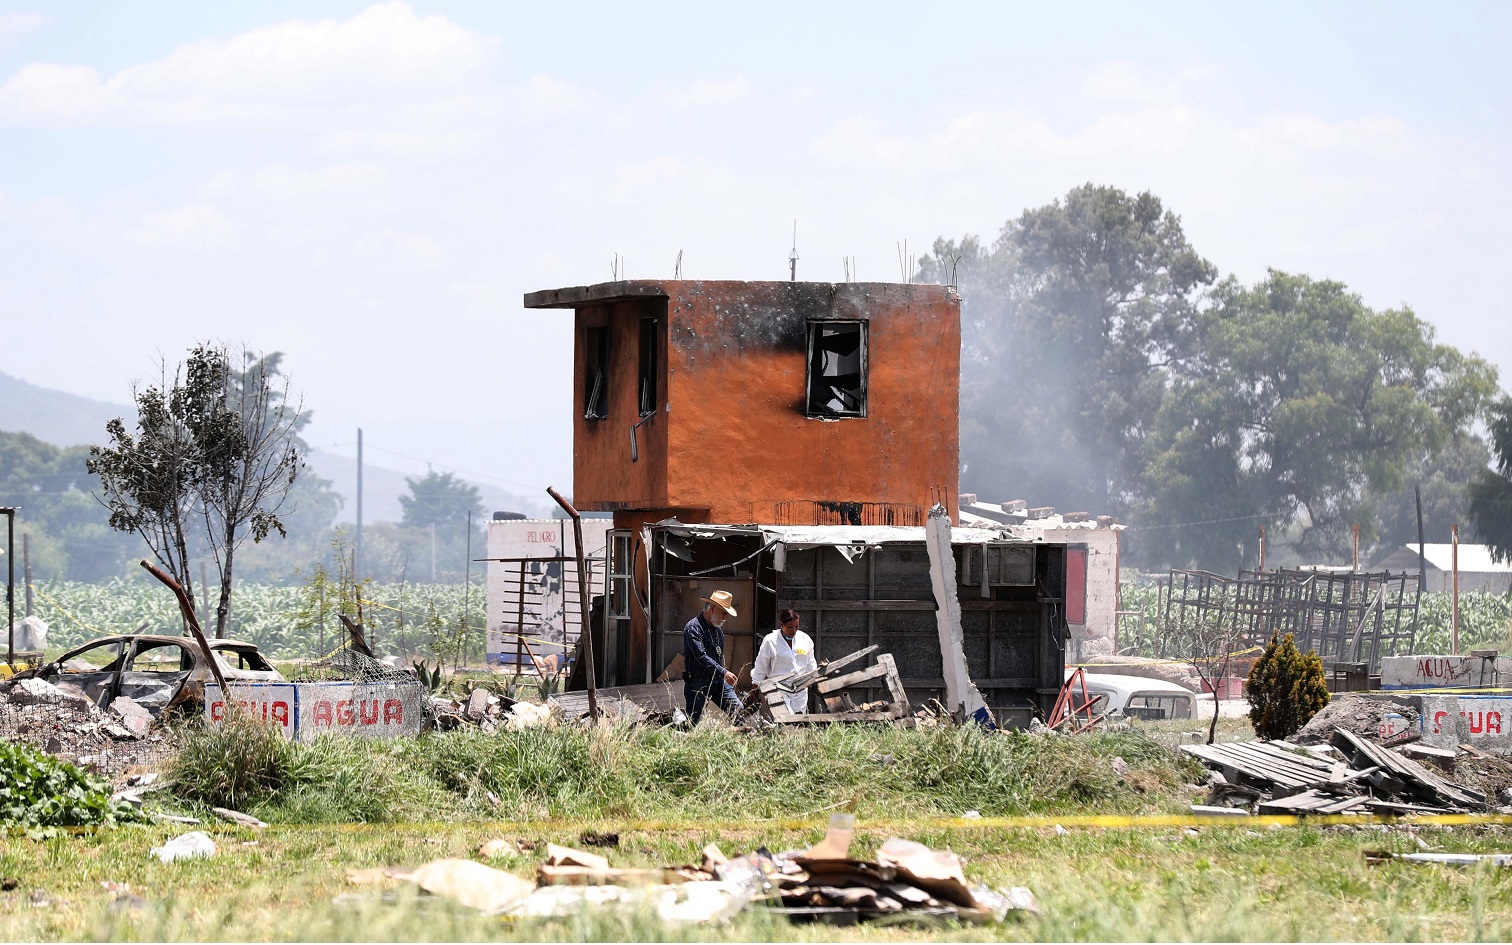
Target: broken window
x,y
646,376
836,369
596,372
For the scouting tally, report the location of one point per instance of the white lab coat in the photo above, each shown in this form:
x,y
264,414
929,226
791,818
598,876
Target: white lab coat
x,y
776,658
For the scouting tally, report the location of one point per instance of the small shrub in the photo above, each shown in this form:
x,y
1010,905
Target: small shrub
x,y
1285,689
38,790
241,761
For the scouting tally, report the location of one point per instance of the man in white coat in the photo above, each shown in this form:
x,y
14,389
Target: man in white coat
x,y
786,650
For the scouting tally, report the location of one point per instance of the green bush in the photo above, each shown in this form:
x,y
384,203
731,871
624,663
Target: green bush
x,y
1285,689
38,790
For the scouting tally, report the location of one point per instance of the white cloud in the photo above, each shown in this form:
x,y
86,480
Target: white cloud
x,y
705,92
197,226
545,95
399,144
670,173
1301,132
420,250
381,53
989,137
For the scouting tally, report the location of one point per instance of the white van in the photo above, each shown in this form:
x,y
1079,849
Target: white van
x,y
1136,696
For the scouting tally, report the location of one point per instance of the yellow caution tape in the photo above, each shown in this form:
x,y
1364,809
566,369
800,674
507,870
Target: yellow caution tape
x,y
66,612
1025,822
528,639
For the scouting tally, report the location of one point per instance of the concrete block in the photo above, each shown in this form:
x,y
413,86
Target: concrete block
x,y
1482,721
1445,672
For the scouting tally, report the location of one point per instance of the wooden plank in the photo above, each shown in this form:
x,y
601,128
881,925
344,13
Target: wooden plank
x,y
835,665
894,684
824,718
1419,780
851,679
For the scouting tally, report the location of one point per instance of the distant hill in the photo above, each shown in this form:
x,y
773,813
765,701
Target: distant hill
x,y
52,415
65,419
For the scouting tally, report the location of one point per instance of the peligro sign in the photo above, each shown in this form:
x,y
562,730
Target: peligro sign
x,y
307,710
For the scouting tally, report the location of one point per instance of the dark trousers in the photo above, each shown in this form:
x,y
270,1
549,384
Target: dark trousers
x,y
700,691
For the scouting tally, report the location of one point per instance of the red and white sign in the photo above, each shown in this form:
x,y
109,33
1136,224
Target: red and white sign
x,y
307,710
376,710
269,702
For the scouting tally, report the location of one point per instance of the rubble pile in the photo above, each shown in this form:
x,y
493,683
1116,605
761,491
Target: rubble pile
x,y
1352,775
486,710
1370,717
63,721
907,881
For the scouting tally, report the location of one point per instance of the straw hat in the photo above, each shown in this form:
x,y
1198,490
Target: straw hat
x,y
723,600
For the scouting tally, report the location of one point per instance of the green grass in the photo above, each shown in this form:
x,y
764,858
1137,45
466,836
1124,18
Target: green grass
x,y
658,773
1226,883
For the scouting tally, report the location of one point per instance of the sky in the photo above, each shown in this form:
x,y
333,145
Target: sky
x,y
371,188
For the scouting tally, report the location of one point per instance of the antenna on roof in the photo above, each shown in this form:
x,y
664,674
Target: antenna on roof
x,y
793,256
845,261
677,272
614,268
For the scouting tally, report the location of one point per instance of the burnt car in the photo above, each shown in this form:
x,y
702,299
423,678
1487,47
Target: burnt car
x,y
158,672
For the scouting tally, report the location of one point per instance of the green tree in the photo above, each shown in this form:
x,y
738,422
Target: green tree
x,y
1444,480
210,464
439,499
1491,492
1295,404
1066,323
1285,689
70,533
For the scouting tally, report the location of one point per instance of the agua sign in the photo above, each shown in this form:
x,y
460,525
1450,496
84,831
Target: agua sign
x,y
304,711
268,702
372,709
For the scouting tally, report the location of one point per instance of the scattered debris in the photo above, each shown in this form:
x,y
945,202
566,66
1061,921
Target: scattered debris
x,y
590,838
237,817
472,884
1359,713
829,682
1279,778
1376,857
908,880
187,846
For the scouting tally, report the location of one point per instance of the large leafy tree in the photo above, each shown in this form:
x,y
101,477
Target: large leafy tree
x,y
1294,404
439,499
432,538
68,534
211,462
1067,321
1491,492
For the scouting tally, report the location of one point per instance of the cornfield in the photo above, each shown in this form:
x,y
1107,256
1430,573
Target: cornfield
x,y
1485,619
284,622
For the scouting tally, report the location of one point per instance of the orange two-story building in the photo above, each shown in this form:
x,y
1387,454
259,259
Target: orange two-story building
x,y
789,403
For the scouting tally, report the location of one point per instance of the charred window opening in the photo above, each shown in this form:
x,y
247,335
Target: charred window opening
x,y
646,376
836,369
596,376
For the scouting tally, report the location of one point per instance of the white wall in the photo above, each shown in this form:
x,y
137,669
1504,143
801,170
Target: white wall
x,y
544,615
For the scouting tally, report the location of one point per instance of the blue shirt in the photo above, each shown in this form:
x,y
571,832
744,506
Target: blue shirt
x,y
703,649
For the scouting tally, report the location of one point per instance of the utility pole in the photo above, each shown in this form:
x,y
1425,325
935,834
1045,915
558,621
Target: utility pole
x,y
1262,546
433,552
357,550
26,569
10,583
467,593
585,624
793,256
1454,603
1356,547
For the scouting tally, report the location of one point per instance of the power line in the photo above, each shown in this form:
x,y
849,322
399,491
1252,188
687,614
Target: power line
x,y
1211,521
445,468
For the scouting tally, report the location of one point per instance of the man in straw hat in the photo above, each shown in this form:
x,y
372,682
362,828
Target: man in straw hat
x,y
704,673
